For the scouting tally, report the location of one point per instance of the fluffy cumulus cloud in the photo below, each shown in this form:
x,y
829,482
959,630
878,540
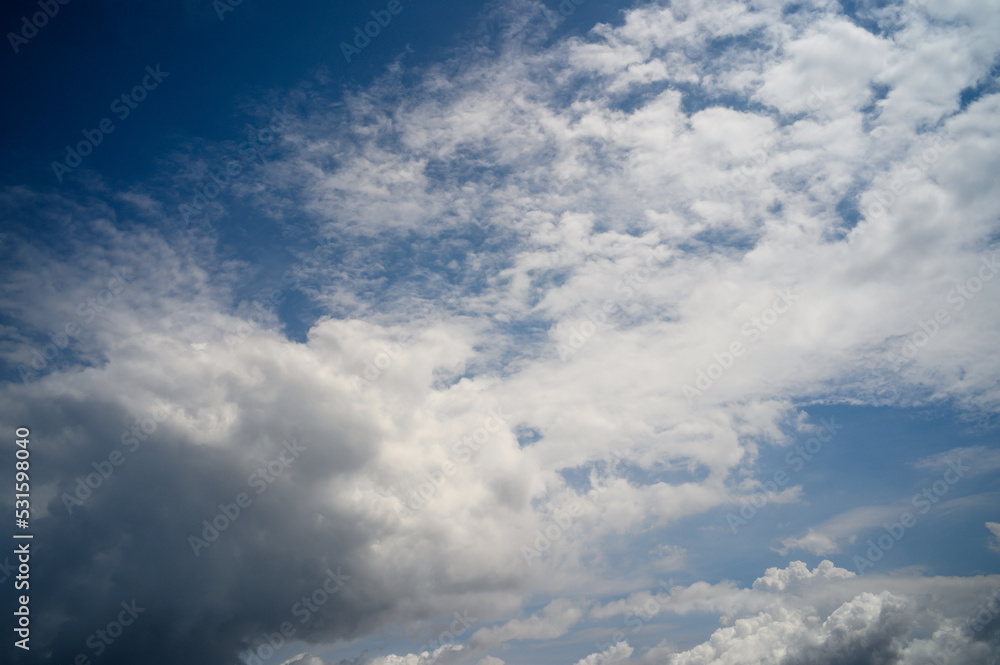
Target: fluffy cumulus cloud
x,y
613,654
865,629
795,616
564,292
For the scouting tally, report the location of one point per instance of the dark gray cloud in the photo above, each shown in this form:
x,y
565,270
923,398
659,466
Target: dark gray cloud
x,y
130,537
874,641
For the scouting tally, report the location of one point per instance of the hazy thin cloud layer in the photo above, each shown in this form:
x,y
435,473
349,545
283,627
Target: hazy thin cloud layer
x,y
513,333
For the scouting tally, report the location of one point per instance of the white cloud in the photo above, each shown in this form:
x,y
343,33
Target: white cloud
x,y
865,627
994,529
797,575
530,187
305,659
554,620
830,536
615,653
441,655
972,461
796,616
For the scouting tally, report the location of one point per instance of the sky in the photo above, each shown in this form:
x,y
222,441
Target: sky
x,y
517,332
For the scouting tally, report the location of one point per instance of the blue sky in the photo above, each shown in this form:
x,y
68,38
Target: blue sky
x,y
567,333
